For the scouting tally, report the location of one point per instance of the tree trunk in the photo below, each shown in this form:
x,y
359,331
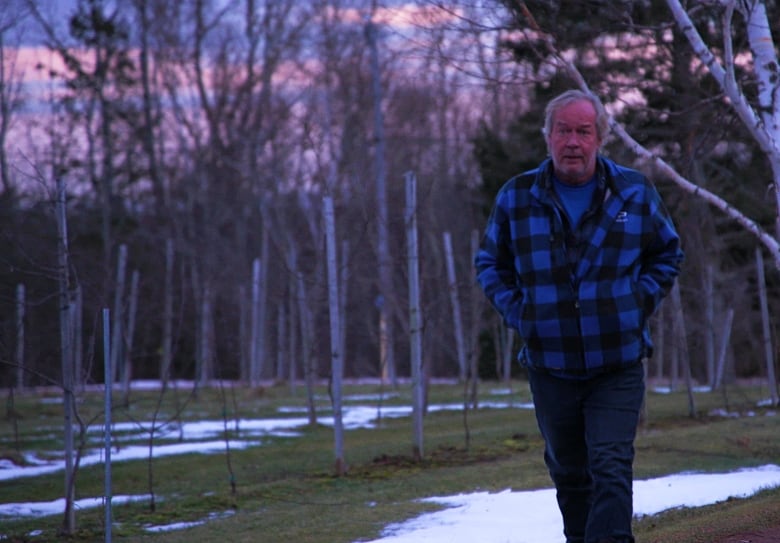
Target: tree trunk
x,y
147,135
304,315
415,315
254,343
387,295
167,338
343,283
281,334
660,342
206,359
475,298
768,350
681,342
457,321
337,360
19,355
116,327
69,521
724,348
244,337
77,326
127,366
709,324
264,313
292,346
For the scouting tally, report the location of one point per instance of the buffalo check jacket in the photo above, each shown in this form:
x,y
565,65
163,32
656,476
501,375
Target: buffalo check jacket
x,y
579,318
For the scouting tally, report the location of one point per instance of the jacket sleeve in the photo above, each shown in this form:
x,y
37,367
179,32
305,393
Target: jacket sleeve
x,y
662,256
494,263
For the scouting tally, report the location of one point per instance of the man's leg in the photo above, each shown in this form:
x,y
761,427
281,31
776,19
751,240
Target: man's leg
x,y
611,410
559,415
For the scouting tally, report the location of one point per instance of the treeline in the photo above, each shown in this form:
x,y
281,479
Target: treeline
x,y
199,140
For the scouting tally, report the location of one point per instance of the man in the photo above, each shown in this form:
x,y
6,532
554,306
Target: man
x,y
576,256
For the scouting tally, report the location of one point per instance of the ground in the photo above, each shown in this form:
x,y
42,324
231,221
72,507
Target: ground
x,y
771,535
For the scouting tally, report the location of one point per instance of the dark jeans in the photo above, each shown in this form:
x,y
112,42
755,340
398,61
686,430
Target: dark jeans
x,y
589,427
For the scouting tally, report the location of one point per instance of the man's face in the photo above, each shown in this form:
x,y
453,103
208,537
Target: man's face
x,y
574,142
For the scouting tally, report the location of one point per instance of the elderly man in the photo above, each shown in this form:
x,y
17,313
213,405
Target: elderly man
x,y
576,256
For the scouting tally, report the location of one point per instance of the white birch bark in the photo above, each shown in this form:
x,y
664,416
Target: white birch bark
x,y
764,124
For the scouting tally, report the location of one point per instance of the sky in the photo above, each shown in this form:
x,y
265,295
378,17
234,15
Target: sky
x,y
508,516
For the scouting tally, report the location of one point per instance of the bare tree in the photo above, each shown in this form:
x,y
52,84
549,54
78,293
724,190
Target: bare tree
x,y
98,83
10,84
387,296
69,521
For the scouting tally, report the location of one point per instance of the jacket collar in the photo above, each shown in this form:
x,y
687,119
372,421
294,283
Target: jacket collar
x,y
611,180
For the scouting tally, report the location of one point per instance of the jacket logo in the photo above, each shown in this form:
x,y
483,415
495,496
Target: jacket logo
x,y
622,216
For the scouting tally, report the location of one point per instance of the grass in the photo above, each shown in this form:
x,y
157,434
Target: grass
x,y
286,489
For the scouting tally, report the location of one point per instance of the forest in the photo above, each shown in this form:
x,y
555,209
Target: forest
x,y
168,162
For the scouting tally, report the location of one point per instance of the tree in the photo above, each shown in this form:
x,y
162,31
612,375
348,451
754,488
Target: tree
x,y
10,86
98,82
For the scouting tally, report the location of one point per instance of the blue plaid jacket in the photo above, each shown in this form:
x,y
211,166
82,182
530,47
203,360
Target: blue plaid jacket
x,y
581,318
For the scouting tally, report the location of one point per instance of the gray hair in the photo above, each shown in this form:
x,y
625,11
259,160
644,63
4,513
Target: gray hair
x,y
569,97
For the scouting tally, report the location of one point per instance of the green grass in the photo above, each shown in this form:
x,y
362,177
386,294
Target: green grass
x,y
286,489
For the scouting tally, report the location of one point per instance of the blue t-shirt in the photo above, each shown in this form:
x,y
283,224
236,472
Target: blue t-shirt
x,y
575,199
